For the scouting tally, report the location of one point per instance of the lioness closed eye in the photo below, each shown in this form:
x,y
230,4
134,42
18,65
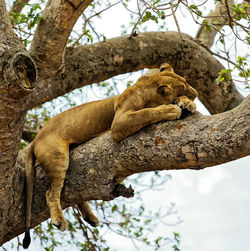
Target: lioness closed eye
x,y
157,97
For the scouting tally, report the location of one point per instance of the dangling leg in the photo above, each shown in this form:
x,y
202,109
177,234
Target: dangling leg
x,y
88,214
55,160
53,196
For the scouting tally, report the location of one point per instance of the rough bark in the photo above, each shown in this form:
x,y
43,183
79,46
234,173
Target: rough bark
x,y
195,142
89,64
17,79
52,33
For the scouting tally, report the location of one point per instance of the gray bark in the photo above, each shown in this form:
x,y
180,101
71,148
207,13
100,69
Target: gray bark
x,y
52,32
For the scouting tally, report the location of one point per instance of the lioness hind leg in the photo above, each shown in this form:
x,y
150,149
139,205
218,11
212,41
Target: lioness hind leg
x,y
56,170
88,214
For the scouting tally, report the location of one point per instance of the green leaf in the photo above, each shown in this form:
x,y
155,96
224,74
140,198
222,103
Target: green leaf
x,y
193,6
114,208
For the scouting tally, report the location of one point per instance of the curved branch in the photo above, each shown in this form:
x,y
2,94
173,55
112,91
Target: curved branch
x,y
89,64
51,35
195,142
216,20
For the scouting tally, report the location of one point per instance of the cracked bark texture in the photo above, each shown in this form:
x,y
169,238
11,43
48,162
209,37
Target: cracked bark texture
x,y
195,142
17,79
57,21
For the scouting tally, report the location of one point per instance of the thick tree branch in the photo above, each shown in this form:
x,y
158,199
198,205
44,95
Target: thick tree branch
x,y
17,79
89,64
52,33
195,142
216,19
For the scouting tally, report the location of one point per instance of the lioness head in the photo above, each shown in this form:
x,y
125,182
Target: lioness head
x,y
160,88
181,87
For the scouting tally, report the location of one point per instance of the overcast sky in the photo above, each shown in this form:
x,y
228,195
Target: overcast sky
x,y
213,203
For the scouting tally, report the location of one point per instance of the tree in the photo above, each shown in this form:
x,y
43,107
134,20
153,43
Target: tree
x,y
56,63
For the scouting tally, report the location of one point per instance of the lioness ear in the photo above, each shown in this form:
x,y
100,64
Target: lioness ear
x,y
166,67
163,90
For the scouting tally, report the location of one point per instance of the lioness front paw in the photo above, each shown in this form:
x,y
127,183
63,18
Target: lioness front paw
x,y
170,112
177,111
185,103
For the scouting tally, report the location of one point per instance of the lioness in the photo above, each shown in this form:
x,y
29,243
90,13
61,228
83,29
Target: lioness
x,y
157,97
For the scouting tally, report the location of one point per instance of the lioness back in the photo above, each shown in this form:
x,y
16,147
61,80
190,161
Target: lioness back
x,y
88,120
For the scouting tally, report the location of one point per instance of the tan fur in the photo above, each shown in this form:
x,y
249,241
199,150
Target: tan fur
x,y
153,98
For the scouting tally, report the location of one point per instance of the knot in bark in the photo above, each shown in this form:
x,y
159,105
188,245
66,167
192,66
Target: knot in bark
x,y
20,69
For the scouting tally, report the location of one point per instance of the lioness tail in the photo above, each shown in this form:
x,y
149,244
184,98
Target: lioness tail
x,y
29,180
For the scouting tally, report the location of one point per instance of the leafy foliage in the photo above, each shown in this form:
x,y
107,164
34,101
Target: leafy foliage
x,y
240,11
25,23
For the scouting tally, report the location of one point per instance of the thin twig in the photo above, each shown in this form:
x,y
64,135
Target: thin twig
x,y
174,16
87,21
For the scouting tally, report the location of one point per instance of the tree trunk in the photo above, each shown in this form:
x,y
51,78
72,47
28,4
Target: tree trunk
x,y
17,79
